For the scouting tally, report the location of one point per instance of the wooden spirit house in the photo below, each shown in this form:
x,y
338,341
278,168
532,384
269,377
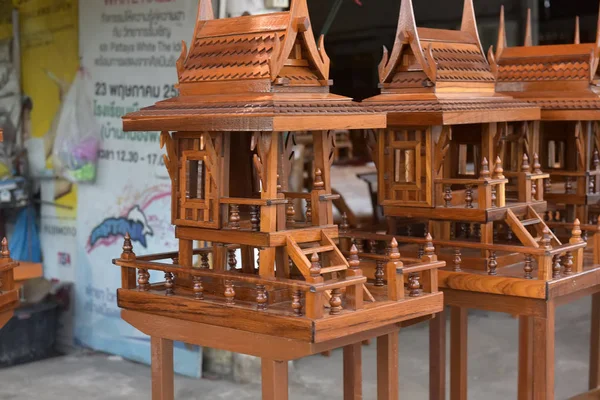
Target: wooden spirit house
x,y
9,296
458,162
246,85
563,81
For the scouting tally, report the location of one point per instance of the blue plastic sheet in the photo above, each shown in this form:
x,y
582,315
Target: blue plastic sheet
x,y
24,245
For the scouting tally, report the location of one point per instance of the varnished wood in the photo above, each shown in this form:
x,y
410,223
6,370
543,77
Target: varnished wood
x,y
437,357
594,378
458,353
353,372
525,371
162,368
274,379
387,367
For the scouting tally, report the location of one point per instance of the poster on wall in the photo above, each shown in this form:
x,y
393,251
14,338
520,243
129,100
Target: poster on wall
x,y
129,50
48,33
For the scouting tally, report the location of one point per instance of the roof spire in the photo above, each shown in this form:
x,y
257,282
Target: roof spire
x,y
528,38
501,44
469,23
577,35
205,11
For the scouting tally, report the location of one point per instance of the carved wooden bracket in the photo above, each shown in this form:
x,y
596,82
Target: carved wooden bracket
x,y
441,148
170,158
261,142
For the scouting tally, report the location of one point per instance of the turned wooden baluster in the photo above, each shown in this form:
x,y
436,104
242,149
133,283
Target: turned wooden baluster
x,y
143,278
592,185
297,302
595,159
372,246
255,218
335,303
466,230
498,170
494,198
198,288
568,263
414,285
492,263
344,226
204,261
556,266
447,195
546,239
353,260
308,211
557,216
234,217
421,251
537,167
469,196
229,293
169,285
231,259
457,260
533,189
568,185
261,297
318,183
477,231
359,243
290,213
528,267
379,274
548,185
484,173
315,266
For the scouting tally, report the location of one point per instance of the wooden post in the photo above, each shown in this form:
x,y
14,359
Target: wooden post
x,y
543,355
186,252
458,353
525,388
577,254
162,368
353,372
128,279
274,379
437,357
595,343
395,282
387,367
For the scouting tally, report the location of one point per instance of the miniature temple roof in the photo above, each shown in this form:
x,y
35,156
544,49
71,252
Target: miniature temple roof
x,y
247,73
559,78
441,74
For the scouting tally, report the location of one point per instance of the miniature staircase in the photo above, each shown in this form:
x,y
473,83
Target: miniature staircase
x,y
525,229
330,257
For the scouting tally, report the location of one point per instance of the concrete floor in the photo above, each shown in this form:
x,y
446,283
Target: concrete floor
x,y
492,368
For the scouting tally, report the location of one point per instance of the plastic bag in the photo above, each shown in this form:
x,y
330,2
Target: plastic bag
x,y
24,245
75,151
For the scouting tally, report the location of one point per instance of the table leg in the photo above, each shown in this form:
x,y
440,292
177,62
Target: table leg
x,y
387,367
543,355
458,353
595,343
525,358
353,372
274,379
162,369
437,357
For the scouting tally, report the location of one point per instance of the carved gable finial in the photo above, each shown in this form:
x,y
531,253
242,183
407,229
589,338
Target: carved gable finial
x,y
205,11
469,22
528,37
577,34
501,44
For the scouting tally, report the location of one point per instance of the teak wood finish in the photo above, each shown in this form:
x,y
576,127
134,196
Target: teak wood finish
x,y
246,85
444,110
563,81
9,296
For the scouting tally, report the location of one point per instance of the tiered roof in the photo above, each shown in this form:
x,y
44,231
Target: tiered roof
x,y
443,75
257,72
561,79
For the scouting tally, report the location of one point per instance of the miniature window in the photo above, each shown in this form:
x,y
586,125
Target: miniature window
x,y
466,159
556,154
195,179
404,166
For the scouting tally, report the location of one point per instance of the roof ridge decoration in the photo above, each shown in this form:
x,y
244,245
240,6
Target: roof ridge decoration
x,y
501,45
220,50
407,36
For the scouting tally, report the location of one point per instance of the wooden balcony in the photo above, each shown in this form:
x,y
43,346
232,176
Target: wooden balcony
x,y
9,297
322,310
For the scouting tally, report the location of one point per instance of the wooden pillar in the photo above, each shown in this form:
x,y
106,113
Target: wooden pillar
x,y
488,133
162,368
248,259
186,252
353,372
595,343
543,355
387,367
437,357
268,214
274,379
525,388
458,353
